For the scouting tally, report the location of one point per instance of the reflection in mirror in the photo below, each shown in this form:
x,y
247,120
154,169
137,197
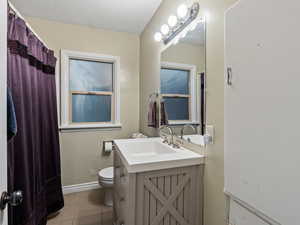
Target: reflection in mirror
x,y
182,83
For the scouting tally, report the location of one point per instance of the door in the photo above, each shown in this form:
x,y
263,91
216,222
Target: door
x,y
262,107
3,71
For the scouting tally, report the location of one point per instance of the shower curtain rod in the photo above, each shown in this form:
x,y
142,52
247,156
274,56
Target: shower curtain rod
x,y
13,8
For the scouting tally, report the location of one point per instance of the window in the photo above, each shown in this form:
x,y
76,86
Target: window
x,y
89,90
177,83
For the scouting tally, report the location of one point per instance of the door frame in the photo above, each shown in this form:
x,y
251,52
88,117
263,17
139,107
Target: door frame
x,y
3,104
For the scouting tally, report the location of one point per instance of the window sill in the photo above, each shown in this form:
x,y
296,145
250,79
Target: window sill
x,y
179,123
79,128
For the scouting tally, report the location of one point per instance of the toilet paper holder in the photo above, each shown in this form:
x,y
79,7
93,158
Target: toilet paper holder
x,y
107,147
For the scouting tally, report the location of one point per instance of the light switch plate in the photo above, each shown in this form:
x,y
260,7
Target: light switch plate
x,y
210,134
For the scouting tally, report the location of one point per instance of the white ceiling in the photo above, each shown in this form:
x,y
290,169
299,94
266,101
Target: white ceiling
x,y
118,15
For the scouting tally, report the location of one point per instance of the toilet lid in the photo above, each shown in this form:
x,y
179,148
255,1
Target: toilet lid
x,y
107,173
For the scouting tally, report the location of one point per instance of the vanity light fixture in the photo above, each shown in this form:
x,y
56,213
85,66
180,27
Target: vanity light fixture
x,y
158,36
172,21
183,34
176,24
182,11
165,29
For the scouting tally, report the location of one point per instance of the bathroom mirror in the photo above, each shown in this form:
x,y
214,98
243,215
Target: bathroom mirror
x,y
182,83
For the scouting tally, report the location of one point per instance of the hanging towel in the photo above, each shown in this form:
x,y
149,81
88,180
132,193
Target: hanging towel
x,y
11,117
152,114
163,114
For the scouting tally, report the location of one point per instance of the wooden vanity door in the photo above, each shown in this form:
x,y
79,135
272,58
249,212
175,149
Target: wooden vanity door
x,y
170,197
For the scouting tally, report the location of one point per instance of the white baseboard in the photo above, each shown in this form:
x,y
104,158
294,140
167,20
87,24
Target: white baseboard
x,y
80,187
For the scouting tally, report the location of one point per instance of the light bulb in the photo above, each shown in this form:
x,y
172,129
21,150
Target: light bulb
x,y
182,11
172,21
165,29
158,36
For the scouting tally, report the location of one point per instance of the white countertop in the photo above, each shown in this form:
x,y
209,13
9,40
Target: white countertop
x,y
140,155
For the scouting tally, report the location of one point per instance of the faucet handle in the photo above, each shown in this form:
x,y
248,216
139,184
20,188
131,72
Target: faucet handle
x,y
165,139
175,146
185,126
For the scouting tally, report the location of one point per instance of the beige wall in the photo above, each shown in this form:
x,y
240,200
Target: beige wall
x,y
186,54
81,151
214,209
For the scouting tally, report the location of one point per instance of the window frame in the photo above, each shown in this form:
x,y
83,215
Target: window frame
x,y
66,94
192,96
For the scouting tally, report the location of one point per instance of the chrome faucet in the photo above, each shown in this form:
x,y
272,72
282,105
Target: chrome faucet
x,y
165,140
185,126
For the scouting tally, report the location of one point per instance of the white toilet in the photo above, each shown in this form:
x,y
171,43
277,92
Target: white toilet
x,y
106,180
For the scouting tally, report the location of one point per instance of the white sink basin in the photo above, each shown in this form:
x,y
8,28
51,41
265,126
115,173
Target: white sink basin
x,y
195,139
141,155
147,148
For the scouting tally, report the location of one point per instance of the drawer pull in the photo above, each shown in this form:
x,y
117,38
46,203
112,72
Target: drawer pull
x,y
122,199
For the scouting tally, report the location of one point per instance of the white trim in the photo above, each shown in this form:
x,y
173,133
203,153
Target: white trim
x,y
80,187
195,108
3,102
64,88
91,126
251,209
183,122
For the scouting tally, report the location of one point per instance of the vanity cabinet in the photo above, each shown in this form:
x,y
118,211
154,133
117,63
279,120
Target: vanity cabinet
x,y
160,197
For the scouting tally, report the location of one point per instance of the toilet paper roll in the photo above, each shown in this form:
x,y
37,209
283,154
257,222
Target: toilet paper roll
x,y
107,148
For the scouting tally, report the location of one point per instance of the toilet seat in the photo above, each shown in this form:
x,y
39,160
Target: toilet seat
x,y
106,174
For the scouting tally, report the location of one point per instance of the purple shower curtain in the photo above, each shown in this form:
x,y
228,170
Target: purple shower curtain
x,y
34,153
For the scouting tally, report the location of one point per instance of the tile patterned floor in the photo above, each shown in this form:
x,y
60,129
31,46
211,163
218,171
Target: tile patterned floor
x,y
83,208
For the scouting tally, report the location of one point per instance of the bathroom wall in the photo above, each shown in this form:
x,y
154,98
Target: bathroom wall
x,y
214,205
81,151
186,54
